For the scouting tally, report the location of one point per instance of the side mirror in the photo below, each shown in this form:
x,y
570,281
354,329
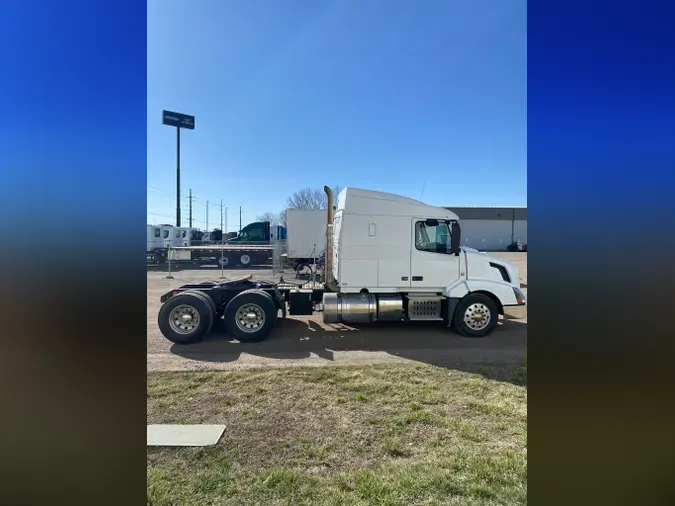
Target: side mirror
x,y
431,223
455,238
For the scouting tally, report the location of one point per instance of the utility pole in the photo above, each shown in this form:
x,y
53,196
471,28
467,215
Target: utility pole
x,y
222,242
221,216
207,215
225,230
190,208
240,219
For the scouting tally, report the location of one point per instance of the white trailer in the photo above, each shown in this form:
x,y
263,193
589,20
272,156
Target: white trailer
x,y
305,237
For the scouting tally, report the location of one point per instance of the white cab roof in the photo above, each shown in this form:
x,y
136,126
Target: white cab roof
x,y
356,201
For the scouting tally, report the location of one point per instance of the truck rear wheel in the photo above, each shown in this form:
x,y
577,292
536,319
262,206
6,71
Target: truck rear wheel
x,y
251,315
185,318
476,315
209,301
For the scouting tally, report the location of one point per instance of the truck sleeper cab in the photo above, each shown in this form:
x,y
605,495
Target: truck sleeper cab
x,y
396,258
388,258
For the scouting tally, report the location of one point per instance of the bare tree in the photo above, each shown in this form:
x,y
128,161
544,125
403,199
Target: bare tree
x,y
282,218
310,198
307,198
273,218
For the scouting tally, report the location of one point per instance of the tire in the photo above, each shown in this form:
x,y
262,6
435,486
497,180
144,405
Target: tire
x,y
245,259
187,303
209,301
261,305
475,303
223,261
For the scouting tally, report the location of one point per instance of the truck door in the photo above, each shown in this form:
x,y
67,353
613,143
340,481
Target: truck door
x,y
166,237
432,267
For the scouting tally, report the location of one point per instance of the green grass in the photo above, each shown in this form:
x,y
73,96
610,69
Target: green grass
x,y
389,435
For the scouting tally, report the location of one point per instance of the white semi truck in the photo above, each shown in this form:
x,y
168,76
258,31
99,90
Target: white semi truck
x,y
388,258
168,236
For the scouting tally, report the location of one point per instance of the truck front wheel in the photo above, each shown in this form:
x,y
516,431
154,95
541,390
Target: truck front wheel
x,y
251,315
476,315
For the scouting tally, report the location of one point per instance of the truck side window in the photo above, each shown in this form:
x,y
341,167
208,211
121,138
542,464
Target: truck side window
x,y
157,234
256,235
435,239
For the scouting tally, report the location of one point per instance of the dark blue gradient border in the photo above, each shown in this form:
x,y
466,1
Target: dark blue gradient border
x,y
601,174
73,162
73,154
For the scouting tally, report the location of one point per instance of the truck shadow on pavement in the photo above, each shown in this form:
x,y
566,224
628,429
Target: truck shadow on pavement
x,y
429,343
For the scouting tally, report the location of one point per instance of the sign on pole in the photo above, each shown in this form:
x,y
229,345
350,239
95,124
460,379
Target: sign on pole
x,y
178,120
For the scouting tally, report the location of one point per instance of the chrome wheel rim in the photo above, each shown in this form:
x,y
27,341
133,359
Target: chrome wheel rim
x,y
223,261
184,319
250,318
477,316
245,259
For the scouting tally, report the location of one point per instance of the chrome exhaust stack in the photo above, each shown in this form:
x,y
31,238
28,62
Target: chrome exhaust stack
x,y
330,281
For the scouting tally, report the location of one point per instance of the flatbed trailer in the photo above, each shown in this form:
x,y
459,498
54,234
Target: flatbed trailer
x,y
214,254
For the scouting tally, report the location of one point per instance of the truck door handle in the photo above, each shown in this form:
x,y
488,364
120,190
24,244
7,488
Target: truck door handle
x,y
418,278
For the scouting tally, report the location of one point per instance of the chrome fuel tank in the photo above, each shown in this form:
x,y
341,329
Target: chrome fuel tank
x,y
361,307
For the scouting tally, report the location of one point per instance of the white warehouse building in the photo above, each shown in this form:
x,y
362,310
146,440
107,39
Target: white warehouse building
x,y
491,228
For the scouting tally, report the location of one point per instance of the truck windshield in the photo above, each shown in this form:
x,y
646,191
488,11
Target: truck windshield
x,y
251,234
434,239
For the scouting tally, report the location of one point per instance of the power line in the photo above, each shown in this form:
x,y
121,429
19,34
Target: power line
x,y
158,195
160,215
170,194
160,189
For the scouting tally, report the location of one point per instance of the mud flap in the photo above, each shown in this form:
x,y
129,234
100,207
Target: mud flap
x,y
449,310
281,303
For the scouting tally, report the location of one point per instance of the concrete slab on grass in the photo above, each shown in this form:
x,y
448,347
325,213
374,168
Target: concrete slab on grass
x,y
184,435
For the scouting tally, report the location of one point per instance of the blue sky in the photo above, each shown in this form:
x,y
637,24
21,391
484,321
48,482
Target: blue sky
x,y
391,96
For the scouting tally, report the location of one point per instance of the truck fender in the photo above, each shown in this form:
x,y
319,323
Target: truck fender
x,y
503,292
457,290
